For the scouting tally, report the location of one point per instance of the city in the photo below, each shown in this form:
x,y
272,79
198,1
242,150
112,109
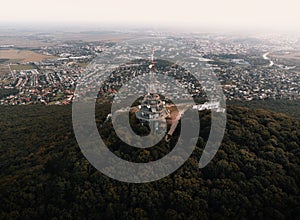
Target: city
x,y
242,66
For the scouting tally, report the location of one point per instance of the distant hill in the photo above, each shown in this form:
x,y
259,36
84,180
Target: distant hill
x,y
255,174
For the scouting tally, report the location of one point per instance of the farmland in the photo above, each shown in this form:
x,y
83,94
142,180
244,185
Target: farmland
x,y
22,56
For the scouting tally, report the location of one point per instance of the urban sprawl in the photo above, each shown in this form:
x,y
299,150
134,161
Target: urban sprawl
x,y
245,69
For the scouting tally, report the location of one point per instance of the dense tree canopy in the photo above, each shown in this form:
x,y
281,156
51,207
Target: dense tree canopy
x,y
255,173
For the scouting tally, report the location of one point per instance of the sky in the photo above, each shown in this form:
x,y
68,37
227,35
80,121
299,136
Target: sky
x,y
261,14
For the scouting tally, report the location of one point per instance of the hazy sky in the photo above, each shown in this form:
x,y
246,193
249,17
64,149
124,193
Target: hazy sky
x,y
275,14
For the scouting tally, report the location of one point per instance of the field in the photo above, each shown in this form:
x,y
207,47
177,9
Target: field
x,y
93,36
291,58
83,65
21,67
3,60
22,56
21,40
290,55
4,71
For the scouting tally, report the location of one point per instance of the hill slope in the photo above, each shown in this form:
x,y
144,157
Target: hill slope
x,y
255,174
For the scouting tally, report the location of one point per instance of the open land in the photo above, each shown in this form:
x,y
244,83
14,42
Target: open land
x,y
23,55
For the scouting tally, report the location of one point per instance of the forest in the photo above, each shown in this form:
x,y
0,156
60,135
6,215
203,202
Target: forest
x,y
254,175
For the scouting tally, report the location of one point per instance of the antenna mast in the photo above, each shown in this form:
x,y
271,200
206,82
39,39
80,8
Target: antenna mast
x,y
152,74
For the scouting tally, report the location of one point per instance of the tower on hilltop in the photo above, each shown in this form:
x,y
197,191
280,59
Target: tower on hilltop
x,y
152,110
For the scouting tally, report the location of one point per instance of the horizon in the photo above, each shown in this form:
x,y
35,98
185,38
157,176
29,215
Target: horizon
x,y
77,27
233,15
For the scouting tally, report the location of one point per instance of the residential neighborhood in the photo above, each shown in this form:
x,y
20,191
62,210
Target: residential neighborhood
x,y
243,67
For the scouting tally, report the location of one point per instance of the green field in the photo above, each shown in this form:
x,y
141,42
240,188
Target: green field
x,y
4,69
83,65
3,60
22,67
